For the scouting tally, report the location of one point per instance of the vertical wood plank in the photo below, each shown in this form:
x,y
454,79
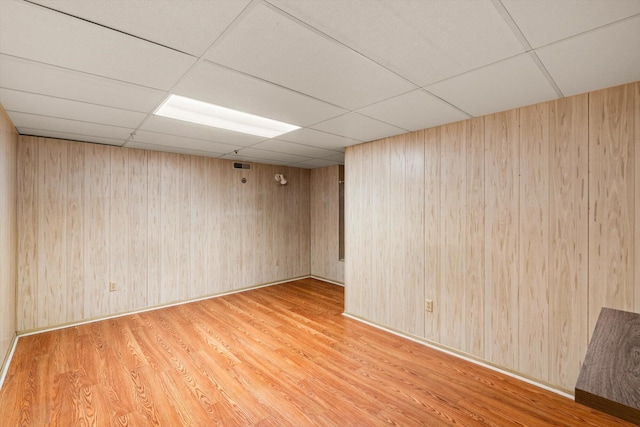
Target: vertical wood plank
x,y
354,234
533,308
138,241
96,231
474,248
406,232
75,231
432,234
52,276
568,251
453,192
119,229
199,226
170,230
501,169
27,214
383,258
154,228
185,284
611,203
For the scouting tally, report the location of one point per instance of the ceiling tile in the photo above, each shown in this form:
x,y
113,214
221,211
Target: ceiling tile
x,y
316,138
69,136
338,158
247,159
424,41
222,86
276,48
356,126
164,140
194,25
168,149
414,111
507,84
598,59
32,32
316,163
293,148
560,19
43,123
29,76
24,102
195,131
270,155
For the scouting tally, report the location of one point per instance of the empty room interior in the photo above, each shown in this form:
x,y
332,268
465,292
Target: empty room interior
x,y
318,212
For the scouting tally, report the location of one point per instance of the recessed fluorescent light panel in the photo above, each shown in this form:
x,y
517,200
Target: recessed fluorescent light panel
x,y
194,111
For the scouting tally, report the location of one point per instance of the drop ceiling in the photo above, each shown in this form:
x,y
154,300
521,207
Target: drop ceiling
x,y
345,71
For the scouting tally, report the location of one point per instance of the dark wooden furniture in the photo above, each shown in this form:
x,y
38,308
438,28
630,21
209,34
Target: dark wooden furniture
x,y
610,376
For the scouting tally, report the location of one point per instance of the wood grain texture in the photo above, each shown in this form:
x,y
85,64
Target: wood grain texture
x,y
501,233
611,200
27,207
324,208
164,227
453,224
636,148
432,236
568,234
8,234
533,298
281,355
474,253
610,376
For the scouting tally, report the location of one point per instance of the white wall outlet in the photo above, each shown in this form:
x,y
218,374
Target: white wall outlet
x,y
428,305
113,286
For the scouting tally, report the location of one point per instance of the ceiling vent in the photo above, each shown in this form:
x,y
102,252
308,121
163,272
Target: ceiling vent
x,y
238,165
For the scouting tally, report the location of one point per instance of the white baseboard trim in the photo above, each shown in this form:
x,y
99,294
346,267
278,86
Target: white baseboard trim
x,y
461,356
324,279
156,307
7,360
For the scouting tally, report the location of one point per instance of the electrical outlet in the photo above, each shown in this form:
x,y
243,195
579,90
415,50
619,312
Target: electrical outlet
x,y
428,305
113,286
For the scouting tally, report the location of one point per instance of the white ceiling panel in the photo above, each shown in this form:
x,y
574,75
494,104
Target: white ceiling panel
x,y
25,102
316,163
356,126
222,86
32,32
293,148
276,48
172,149
32,121
29,76
189,130
283,158
189,26
598,59
308,136
248,159
413,111
161,139
508,84
69,136
424,41
338,158
549,21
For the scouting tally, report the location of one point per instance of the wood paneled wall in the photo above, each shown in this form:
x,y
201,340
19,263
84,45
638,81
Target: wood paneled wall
x,y
325,207
531,224
8,236
165,227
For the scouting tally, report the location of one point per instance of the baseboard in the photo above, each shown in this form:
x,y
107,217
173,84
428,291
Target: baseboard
x,y
463,356
7,360
155,307
324,279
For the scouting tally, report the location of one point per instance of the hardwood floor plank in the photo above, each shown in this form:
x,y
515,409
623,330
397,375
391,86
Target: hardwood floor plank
x,y
282,355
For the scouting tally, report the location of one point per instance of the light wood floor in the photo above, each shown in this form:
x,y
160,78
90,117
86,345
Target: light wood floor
x,y
276,356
